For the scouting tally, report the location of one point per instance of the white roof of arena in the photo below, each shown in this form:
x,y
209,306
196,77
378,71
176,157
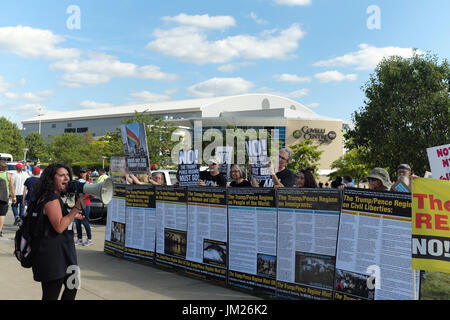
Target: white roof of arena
x,y
209,108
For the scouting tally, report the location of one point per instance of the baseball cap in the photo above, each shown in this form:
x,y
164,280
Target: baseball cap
x,y
36,171
215,160
404,166
83,170
18,166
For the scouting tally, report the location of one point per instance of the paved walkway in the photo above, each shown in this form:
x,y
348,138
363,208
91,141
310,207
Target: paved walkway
x,y
104,277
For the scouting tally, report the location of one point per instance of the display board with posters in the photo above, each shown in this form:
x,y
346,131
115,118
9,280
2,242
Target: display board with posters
x,y
140,239
373,260
134,140
207,246
308,221
431,225
252,224
439,158
171,226
116,221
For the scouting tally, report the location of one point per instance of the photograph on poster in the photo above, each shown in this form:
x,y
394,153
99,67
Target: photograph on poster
x,y
118,233
266,265
314,270
353,283
175,242
215,252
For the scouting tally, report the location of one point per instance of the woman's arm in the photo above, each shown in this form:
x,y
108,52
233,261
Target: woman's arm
x,y
54,212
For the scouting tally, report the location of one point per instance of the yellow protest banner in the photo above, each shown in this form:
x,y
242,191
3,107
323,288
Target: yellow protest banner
x,y
431,225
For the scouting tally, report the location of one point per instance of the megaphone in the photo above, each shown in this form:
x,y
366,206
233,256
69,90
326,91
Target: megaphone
x,y
103,190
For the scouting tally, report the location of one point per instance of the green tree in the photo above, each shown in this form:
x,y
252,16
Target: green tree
x,y
159,135
11,140
37,148
304,155
112,144
68,148
350,164
406,110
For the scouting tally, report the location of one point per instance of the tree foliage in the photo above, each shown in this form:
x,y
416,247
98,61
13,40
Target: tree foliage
x,y
350,164
406,110
68,148
304,155
11,140
37,149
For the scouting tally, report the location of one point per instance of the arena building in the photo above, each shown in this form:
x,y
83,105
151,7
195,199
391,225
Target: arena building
x,y
294,121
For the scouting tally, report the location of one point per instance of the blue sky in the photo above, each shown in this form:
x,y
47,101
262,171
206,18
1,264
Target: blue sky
x,y
72,55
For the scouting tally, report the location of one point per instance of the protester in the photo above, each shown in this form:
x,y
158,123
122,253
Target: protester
x,y
379,180
10,192
19,177
237,175
283,178
55,249
348,181
311,170
158,179
404,170
336,183
103,175
84,178
305,179
29,186
212,177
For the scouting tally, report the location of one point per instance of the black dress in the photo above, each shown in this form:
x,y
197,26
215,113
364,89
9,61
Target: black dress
x,y
56,251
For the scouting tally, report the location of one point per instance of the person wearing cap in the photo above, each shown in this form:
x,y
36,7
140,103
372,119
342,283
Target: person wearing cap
x,y
379,180
212,177
29,185
19,177
84,178
5,175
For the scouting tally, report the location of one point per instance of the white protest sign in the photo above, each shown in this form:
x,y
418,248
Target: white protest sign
x,y
439,158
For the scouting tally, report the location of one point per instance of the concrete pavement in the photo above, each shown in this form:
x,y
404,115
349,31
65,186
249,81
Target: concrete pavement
x,y
104,277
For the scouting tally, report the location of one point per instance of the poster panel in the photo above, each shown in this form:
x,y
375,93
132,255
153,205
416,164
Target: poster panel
x,y
115,222
171,226
207,246
118,169
431,225
252,239
134,140
140,239
373,260
308,221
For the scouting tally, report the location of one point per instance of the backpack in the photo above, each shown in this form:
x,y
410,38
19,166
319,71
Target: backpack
x,y
4,193
27,236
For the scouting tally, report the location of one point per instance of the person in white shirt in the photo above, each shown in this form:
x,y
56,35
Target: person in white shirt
x,y
19,178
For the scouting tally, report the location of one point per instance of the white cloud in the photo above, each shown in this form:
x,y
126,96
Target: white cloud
x,y
297,94
286,77
36,97
34,43
335,76
366,58
146,96
256,19
203,21
220,87
313,105
87,104
190,44
101,68
231,67
292,3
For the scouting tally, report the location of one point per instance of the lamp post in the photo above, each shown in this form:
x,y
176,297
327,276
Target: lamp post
x,y
40,113
25,154
103,165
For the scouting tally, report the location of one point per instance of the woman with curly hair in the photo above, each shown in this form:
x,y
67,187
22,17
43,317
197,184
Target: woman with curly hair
x,y
55,250
305,179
